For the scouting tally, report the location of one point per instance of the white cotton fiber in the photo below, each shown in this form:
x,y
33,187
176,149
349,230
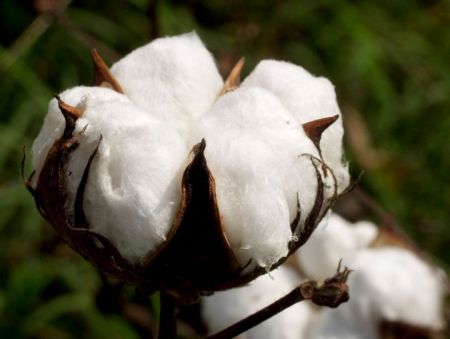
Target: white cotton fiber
x,y
334,239
133,190
54,122
253,149
174,78
307,98
225,308
386,284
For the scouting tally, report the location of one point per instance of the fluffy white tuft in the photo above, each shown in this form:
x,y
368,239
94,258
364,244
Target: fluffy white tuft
x,y
225,308
307,98
173,78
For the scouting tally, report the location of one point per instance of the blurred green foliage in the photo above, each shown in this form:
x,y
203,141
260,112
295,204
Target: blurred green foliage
x,y
389,61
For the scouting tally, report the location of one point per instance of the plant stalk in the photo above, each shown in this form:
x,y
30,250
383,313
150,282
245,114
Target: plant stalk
x,y
288,300
332,293
168,319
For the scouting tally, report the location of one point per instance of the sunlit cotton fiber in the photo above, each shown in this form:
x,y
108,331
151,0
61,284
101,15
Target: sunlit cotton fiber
x,y
174,78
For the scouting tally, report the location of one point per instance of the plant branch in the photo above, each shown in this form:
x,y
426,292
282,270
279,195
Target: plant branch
x,y
332,293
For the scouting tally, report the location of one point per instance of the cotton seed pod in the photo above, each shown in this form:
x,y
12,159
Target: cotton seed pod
x,y
166,177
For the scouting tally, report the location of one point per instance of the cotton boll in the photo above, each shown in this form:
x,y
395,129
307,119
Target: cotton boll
x,y
225,308
254,152
174,78
390,284
400,285
334,239
307,98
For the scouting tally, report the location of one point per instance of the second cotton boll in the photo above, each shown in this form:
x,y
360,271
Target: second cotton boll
x,y
388,284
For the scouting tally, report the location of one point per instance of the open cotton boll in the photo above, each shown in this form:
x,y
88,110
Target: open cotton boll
x,y
253,150
174,78
133,190
400,285
386,284
225,308
389,284
307,98
334,239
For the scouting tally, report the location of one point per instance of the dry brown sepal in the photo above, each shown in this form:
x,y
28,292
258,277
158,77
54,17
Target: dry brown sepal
x,y
234,78
196,259
103,76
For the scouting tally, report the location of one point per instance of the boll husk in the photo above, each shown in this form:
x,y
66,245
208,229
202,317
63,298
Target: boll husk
x,y
167,177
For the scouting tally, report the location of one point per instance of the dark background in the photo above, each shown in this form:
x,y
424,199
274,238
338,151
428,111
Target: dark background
x,y
389,61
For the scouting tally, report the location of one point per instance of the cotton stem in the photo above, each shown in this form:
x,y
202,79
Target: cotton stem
x,y
332,293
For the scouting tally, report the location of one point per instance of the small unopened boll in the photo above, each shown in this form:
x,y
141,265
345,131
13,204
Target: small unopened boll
x,y
165,176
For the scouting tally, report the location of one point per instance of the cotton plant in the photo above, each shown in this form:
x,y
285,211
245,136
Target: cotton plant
x,y
169,178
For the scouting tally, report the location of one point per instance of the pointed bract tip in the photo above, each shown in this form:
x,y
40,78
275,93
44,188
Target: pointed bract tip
x,y
103,74
200,147
315,128
68,110
234,78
